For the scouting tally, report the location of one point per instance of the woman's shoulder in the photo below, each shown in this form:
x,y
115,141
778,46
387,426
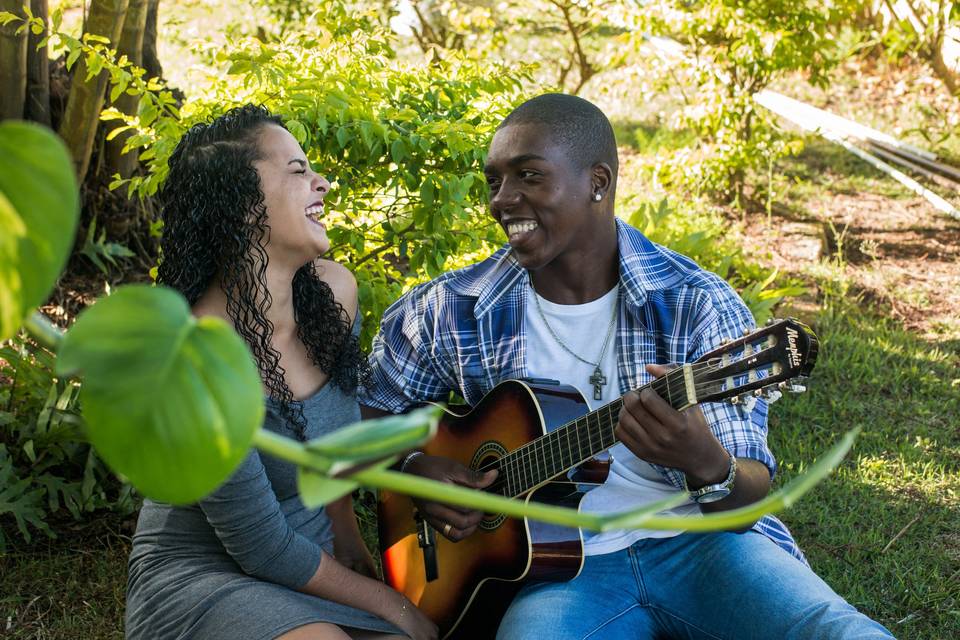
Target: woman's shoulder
x,y
341,282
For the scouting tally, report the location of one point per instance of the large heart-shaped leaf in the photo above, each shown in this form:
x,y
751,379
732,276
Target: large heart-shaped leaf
x,y
171,401
39,207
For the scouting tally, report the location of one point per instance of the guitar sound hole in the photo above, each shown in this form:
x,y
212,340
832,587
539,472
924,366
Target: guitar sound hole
x,y
486,457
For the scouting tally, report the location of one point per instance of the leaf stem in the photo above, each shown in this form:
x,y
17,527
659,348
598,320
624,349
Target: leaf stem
x,y
43,331
645,517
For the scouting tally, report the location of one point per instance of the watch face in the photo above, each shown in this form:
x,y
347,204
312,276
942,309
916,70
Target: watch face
x,y
713,496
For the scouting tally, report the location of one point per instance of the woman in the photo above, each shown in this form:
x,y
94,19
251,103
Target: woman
x,y
243,230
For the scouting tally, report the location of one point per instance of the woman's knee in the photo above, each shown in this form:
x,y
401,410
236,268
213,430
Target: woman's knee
x,y
315,631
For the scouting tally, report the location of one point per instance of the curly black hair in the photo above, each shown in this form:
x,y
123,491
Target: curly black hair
x,y
215,225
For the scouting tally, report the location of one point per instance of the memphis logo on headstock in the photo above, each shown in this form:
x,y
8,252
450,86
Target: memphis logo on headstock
x,y
792,351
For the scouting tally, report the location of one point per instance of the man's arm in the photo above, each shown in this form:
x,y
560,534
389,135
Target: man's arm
x,y
656,432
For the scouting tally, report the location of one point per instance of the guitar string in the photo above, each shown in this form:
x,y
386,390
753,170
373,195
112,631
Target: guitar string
x,y
556,436
547,467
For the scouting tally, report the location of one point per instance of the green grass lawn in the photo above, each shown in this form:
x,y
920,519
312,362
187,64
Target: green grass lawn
x,y
884,529
71,588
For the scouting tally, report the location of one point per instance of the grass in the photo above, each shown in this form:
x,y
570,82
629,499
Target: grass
x,y
66,589
884,530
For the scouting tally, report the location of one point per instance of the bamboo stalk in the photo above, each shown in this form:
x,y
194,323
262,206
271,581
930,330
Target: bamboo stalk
x,y
82,115
939,167
804,120
916,168
13,63
837,123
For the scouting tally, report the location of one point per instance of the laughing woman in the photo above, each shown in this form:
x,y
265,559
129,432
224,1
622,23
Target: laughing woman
x,y
243,229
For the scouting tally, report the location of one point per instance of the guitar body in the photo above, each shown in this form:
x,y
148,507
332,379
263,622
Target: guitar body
x,y
478,576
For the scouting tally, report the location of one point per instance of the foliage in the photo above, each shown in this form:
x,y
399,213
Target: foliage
x,y
402,144
189,399
43,466
702,237
99,251
730,50
38,202
46,468
568,40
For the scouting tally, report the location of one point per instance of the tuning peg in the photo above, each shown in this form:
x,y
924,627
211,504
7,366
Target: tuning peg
x,y
734,399
747,331
771,395
770,320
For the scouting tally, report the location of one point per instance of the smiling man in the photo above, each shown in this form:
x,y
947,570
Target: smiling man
x,y
580,297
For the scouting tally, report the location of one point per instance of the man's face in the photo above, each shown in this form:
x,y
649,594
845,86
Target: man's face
x,y
538,195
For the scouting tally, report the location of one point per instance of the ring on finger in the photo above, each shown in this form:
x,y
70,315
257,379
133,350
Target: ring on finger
x,y
446,529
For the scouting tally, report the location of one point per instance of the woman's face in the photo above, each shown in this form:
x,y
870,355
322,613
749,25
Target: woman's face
x,y
293,194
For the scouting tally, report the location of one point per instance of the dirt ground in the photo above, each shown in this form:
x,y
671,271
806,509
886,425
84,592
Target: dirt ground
x,y
898,254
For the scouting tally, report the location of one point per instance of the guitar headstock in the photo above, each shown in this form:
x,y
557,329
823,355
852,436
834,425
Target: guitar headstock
x,y
759,363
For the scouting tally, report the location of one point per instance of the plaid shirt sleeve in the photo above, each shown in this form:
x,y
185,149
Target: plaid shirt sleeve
x,y
403,361
740,428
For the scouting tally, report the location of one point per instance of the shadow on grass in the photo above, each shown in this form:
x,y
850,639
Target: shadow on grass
x,y
902,478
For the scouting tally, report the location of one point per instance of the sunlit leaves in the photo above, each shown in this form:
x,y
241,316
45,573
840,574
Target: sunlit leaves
x,y
170,401
401,144
39,208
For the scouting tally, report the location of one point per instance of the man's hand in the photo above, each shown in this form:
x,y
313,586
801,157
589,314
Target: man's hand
x,y
453,522
656,432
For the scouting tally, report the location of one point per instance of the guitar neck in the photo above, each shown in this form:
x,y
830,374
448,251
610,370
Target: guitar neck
x,y
579,440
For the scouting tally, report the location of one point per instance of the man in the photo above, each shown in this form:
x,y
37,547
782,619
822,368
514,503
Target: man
x,y
581,297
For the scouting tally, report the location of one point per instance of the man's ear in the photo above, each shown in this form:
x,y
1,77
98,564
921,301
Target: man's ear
x,y
601,178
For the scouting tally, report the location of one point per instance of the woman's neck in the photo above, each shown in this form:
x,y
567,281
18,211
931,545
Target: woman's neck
x,y
280,313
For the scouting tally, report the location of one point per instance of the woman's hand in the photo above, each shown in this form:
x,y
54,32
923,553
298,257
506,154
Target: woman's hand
x,y
348,546
412,621
355,557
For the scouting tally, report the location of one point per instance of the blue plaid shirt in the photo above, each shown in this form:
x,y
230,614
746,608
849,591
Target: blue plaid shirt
x,y
463,332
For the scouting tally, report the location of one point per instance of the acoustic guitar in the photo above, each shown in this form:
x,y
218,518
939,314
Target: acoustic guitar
x,y
534,433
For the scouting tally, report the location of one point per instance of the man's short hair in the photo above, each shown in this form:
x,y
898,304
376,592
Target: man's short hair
x,y
572,122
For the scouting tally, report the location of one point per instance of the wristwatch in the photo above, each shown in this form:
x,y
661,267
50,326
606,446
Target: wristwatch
x,y
714,492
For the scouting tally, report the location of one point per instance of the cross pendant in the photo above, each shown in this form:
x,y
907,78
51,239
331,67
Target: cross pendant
x,y
598,380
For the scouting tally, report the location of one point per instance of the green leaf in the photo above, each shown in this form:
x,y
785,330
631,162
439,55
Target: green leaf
x,y
374,439
398,150
39,207
170,401
317,489
6,17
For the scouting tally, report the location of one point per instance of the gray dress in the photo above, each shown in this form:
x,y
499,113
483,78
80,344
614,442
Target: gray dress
x,y
228,566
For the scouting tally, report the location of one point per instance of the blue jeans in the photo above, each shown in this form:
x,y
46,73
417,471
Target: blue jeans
x,y
721,586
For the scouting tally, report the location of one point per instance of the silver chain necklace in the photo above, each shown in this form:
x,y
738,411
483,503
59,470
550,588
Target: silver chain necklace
x,y
597,379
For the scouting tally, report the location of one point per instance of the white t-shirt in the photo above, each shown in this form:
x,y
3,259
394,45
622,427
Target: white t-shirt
x,y
632,483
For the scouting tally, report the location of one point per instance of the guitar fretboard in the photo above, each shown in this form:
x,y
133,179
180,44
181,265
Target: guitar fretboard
x,y
575,442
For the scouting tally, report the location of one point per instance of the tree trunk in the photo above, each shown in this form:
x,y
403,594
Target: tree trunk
x,y
38,71
79,126
150,60
13,63
131,44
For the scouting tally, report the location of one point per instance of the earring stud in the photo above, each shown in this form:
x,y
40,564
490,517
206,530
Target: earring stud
x,y
597,196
